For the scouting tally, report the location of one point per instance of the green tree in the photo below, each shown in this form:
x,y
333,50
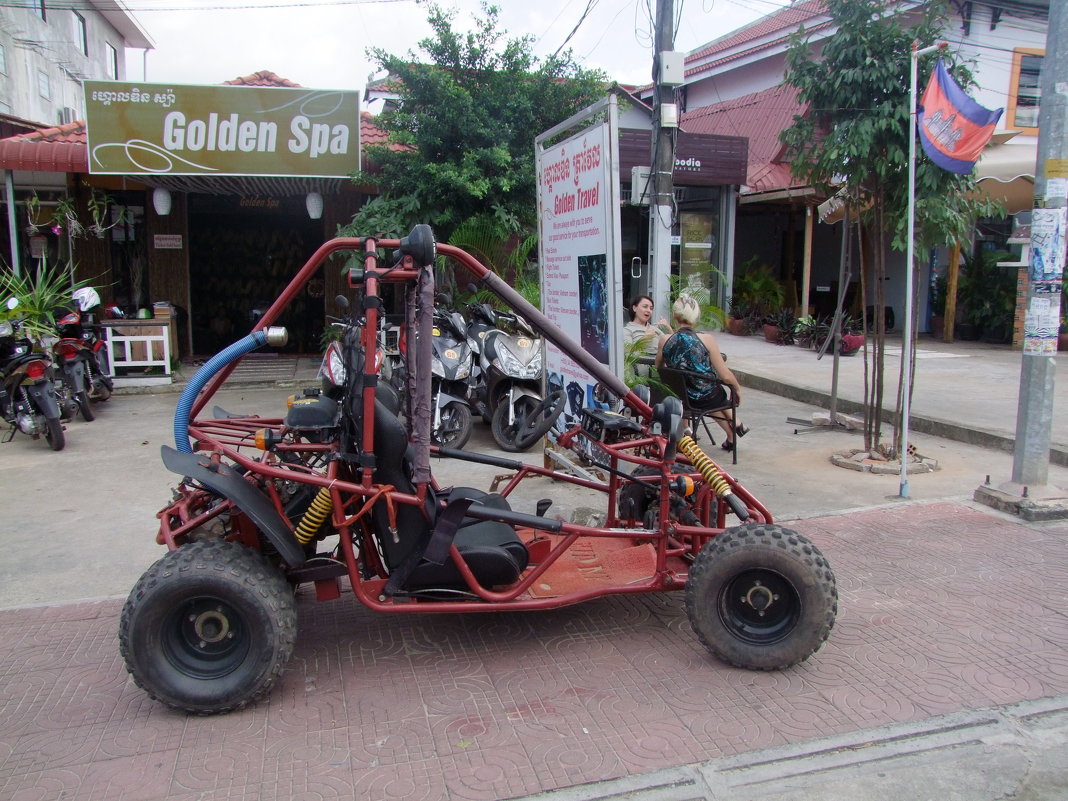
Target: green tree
x,y
853,138
467,122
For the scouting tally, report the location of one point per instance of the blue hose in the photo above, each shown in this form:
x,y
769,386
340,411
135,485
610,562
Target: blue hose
x,y
200,380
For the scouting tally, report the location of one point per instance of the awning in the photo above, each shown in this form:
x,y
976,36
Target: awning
x,y
1006,172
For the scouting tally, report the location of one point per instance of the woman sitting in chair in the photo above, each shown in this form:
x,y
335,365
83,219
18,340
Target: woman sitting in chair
x,y
698,353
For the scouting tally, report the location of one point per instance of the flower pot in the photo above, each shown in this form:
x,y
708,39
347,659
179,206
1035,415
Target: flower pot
x,y
969,332
771,333
736,326
938,326
851,343
1062,341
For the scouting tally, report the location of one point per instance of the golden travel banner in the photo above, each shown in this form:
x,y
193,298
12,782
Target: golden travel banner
x,y
168,129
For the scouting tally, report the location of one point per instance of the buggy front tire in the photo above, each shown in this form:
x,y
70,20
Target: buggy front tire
x,y
208,628
761,597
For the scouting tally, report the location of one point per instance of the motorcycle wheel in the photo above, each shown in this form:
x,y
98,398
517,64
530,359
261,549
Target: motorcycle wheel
x,y
533,419
455,426
84,406
101,392
209,627
54,434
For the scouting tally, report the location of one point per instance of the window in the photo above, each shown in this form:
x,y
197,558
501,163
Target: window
x,y
81,36
1024,91
44,85
37,6
3,60
113,61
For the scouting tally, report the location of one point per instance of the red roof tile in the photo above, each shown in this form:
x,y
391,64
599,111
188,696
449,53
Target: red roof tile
x,y
58,149
786,20
262,78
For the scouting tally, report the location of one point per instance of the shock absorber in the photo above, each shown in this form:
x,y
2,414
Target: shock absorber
x,y
707,468
312,520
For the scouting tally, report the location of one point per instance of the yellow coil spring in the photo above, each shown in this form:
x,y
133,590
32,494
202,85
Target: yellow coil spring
x,y
705,466
320,509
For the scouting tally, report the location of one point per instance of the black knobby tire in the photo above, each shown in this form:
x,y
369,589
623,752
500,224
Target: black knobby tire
x,y
761,597
85,407
209,627
455,427
54,433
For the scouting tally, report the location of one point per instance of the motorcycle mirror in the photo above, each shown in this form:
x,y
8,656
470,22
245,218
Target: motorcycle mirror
x,y
419,244
443,299
12,303
342,302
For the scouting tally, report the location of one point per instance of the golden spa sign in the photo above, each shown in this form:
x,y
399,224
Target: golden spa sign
x,y
166,129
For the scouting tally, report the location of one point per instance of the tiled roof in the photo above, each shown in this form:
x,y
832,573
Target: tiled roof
x,y
786,20
58,149
760,117
262,78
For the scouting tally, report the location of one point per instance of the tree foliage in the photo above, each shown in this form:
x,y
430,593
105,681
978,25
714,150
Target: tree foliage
x,y
854,138
467,121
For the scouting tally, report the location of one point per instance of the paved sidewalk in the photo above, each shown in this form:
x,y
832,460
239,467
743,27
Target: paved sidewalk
x,y
966,391
945,608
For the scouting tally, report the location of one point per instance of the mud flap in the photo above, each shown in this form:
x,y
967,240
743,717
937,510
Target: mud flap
x,y
230,484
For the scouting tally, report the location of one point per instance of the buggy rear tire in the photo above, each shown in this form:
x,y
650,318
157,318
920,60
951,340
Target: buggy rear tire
x,y
761,597
208,628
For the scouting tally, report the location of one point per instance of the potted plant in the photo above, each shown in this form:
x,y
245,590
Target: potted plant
x,y
809,331
852,336
779,327
738,311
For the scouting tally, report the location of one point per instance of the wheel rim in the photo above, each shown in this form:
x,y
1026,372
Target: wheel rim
x,y
206,638
760,606
450,426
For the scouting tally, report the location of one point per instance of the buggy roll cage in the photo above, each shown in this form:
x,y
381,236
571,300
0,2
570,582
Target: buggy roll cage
x,y
653,449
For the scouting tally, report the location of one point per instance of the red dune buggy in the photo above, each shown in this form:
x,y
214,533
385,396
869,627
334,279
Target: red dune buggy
x,y
340,491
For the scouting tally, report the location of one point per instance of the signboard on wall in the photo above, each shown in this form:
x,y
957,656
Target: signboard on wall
x,y
167,129
578,226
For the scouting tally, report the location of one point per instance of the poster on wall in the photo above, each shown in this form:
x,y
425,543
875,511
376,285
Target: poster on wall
x,y
578,226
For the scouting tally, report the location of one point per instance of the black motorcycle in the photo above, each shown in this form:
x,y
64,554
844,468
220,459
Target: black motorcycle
x,y
27,389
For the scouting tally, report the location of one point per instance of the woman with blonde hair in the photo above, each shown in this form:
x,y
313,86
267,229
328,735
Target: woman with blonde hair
x,y
699,355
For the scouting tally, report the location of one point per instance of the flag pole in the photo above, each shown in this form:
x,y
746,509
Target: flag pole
x,y
906,346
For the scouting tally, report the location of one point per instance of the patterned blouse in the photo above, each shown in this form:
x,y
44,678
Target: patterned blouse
x,y
684,350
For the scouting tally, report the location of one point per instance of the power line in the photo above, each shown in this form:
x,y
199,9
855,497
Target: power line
x,y
79,5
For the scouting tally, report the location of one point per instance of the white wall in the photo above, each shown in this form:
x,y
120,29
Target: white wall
x,y
51,46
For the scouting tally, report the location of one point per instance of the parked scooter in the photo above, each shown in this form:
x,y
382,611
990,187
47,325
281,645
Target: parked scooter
x,y
510,381
80,339
27,392
451,365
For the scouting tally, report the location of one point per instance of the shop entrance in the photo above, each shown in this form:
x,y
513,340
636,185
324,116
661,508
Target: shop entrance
x,y
242,254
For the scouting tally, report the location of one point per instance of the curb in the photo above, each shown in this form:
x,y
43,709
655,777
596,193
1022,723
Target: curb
x,y
924,424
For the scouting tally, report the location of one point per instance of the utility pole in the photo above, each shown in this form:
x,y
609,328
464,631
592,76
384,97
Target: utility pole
x,y
1034,415
665,120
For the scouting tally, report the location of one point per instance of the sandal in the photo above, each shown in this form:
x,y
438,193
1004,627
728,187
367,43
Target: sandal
x,y
741,430
728,445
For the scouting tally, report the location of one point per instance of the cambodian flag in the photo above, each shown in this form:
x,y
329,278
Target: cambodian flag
x,y
954,129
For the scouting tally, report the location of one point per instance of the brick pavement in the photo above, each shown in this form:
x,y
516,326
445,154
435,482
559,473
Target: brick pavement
x,y
944,607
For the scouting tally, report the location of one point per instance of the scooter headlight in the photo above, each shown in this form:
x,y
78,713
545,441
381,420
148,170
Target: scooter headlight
x,y
437,368
464,370
509,364
333,367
